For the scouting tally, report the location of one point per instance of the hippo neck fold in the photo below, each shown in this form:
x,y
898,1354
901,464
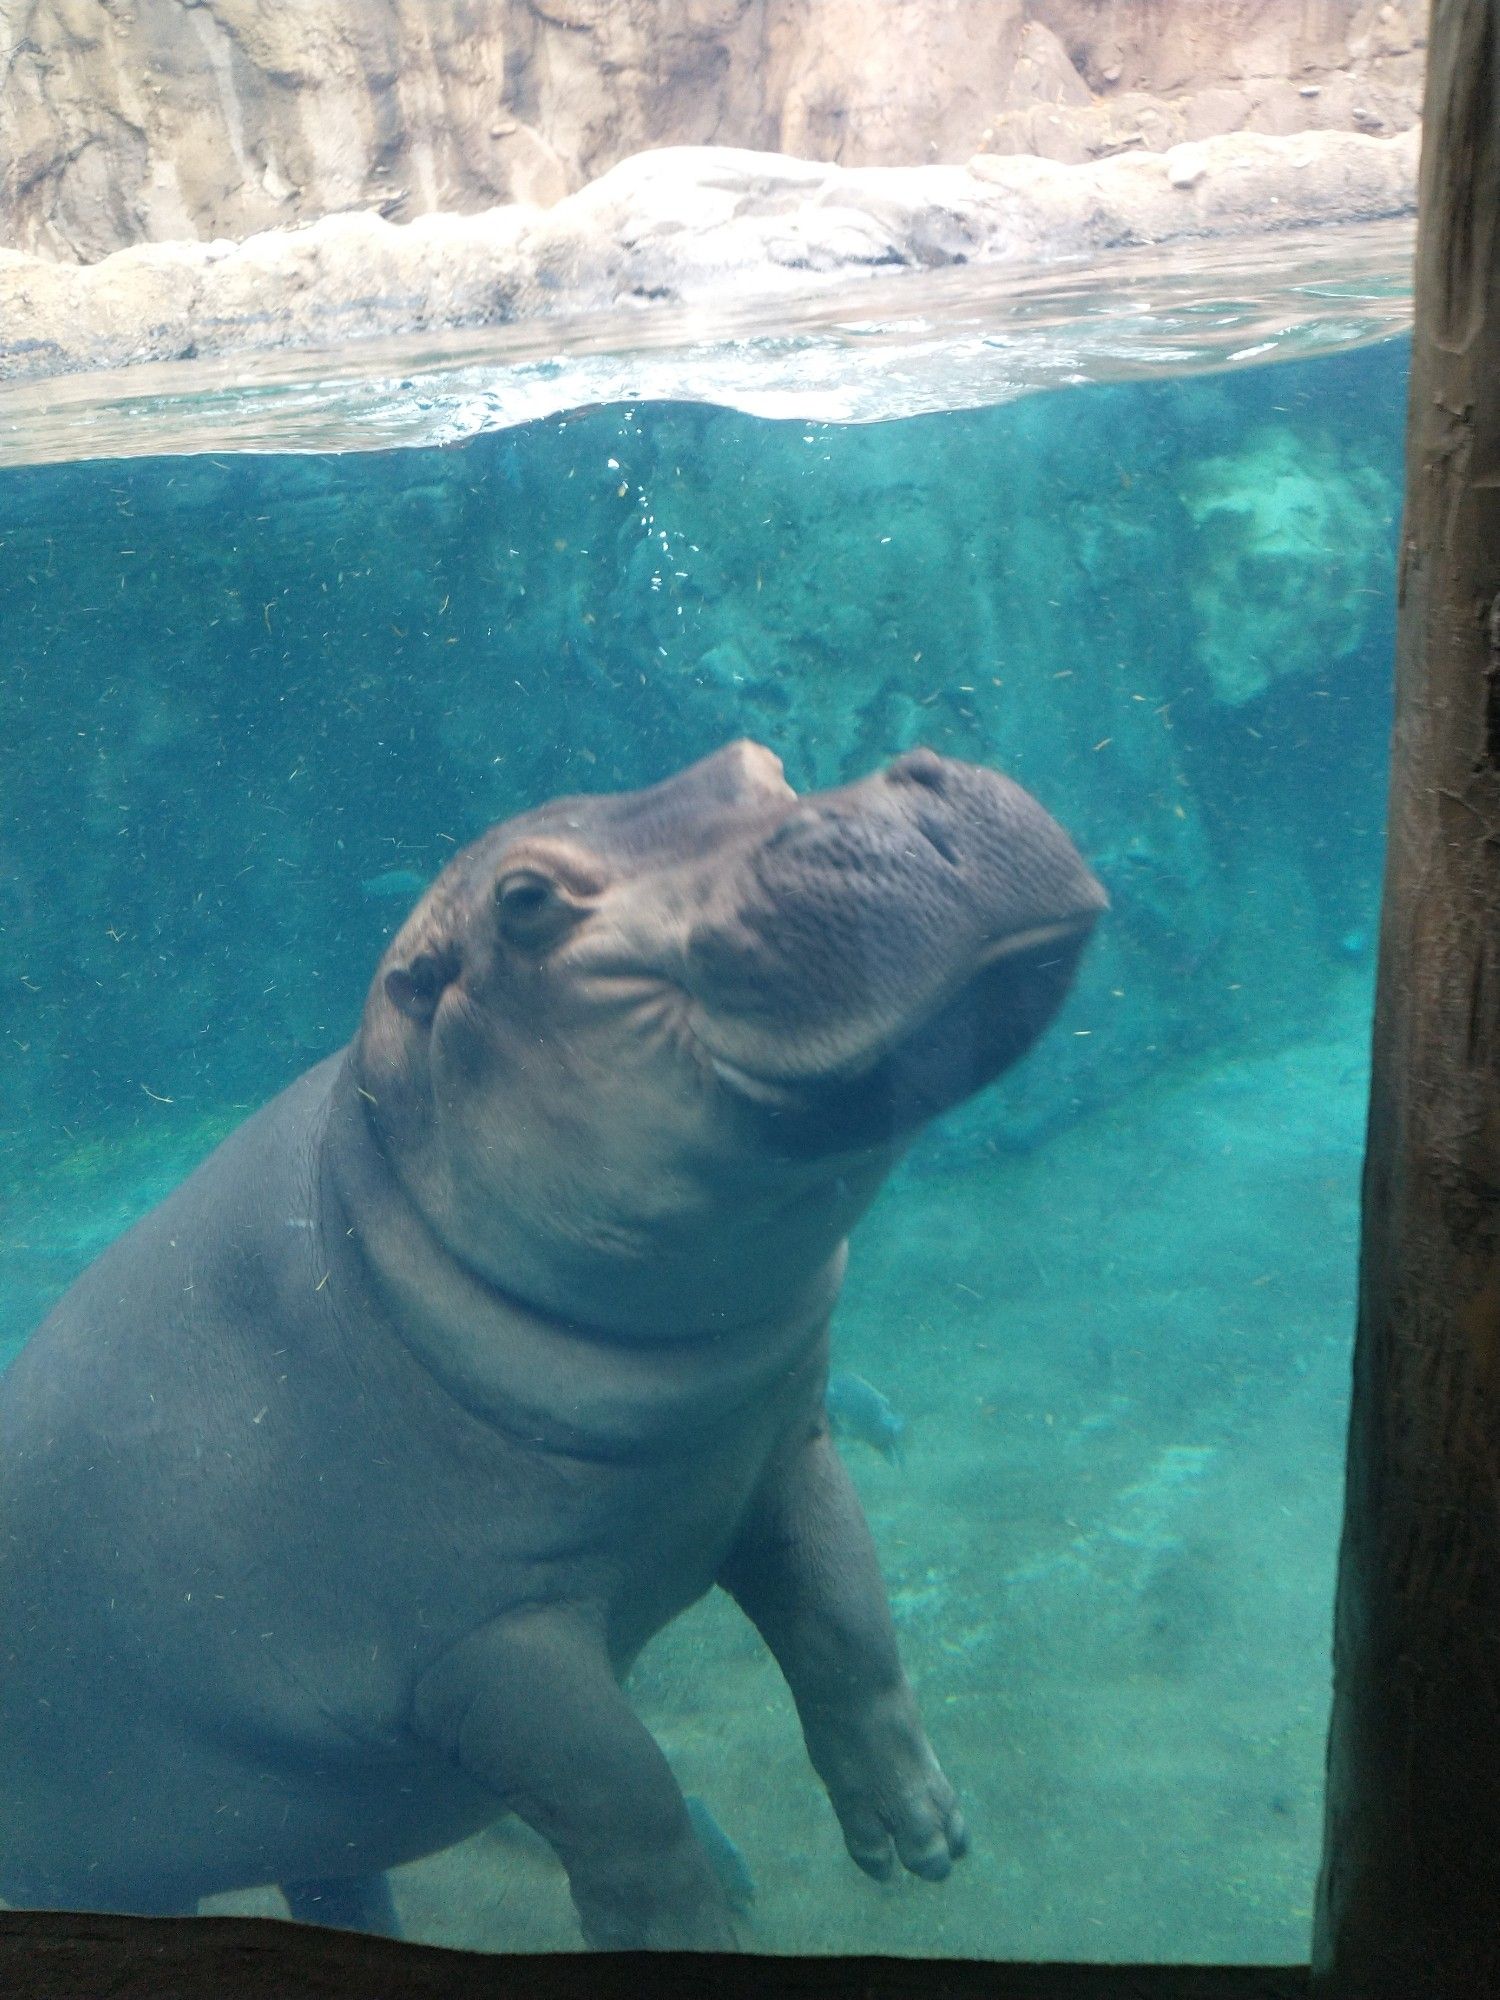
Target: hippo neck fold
x,y
559,1384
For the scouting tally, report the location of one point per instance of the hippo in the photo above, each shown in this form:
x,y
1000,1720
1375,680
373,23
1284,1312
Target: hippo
x,y
340,1493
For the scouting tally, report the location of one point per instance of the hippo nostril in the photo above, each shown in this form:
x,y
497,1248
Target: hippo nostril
x,y
921,767
792,828
938,837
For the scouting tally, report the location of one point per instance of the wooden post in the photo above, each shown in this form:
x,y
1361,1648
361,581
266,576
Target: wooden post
x,y
1409,1899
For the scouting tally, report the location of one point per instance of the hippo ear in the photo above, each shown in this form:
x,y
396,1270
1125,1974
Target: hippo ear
x,y
417,987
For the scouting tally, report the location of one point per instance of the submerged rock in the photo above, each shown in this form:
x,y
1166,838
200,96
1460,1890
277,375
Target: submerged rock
x,y
1290,563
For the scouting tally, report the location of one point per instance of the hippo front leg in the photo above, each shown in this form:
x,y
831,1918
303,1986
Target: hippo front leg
x,y
805,1570
530,1708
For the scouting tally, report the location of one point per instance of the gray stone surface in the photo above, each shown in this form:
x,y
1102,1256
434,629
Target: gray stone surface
x,y
125,121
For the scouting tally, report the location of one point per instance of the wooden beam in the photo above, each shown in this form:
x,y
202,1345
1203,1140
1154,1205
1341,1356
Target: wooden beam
x,y
58,1956
1409,1900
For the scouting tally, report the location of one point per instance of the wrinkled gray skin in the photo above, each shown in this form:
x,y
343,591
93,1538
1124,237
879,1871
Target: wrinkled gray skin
x,y
339,1494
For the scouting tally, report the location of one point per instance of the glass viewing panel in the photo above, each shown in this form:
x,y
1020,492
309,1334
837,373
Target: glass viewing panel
x,y
1089,1362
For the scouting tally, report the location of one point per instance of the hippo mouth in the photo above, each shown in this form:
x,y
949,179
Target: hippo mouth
x,y
1036,938
984,1022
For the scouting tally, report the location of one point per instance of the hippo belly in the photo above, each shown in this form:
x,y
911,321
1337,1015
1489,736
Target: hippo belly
x,y
240,1533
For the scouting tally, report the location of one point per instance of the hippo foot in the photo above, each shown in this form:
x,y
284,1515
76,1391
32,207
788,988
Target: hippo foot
x,y
658,1902
888,1788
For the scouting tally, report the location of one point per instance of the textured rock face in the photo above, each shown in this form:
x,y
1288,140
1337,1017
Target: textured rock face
x,y
1161,73
122,123
178,120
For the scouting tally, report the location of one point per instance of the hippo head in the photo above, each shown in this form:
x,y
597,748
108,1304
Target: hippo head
x,y
642,1059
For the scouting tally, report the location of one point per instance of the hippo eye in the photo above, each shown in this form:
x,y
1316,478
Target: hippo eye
x,y
531,910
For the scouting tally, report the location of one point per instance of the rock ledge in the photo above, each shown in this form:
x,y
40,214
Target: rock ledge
x,y
681,226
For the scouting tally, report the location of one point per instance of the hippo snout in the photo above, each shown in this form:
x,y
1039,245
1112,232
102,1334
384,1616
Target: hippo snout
x,y
935,902
953,851
969,814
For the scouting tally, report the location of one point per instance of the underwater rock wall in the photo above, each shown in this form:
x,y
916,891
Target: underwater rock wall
x,y
128,121
251,704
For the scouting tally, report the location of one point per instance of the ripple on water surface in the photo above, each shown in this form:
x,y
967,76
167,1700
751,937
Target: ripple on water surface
x,y
910,345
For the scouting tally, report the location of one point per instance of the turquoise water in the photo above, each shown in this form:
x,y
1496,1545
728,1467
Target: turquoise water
x,y
250,703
